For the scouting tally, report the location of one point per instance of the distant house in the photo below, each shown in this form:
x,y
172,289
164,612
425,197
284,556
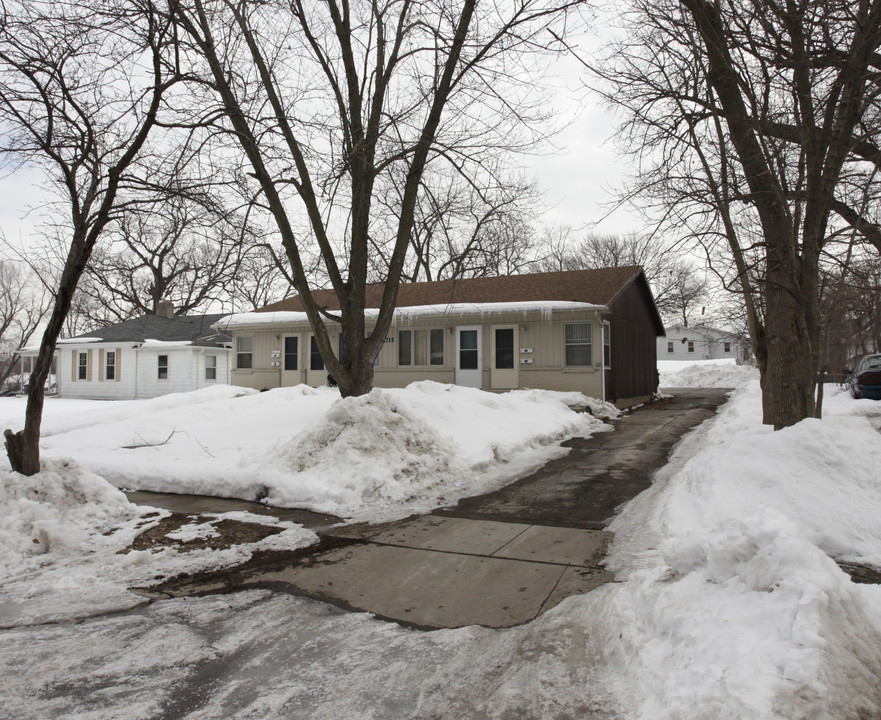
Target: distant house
x,y
587,330
143,357
698,342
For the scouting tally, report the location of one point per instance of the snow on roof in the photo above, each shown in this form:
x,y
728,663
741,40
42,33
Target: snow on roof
x,y
78,340
150,343
545,307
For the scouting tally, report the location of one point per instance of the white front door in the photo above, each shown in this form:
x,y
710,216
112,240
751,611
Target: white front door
x,y
469,356
504,361
316,375
291,360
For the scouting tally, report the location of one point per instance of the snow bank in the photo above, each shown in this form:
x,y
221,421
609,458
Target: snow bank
x,y
385,455
62,539
733,605
396,452
64,509
704,373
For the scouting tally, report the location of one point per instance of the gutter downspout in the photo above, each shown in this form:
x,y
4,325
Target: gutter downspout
x,y
137,349
603,351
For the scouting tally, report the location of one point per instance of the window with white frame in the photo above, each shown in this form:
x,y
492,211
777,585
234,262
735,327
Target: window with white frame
x,y
420,347
578,345
245,352
669,346
727,347
162,367
211,367
82,372
691,346
110,365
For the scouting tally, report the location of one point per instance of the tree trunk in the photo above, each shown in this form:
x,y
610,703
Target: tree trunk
x,y
23,447
358,380
788,377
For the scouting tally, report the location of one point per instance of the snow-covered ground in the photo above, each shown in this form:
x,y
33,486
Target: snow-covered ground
x,y
729,603
386,455
706,373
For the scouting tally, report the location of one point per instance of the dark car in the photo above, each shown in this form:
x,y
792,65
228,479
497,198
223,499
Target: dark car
x,y
865,380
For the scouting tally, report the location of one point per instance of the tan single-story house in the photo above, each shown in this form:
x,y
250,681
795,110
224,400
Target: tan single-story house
x,y
591,331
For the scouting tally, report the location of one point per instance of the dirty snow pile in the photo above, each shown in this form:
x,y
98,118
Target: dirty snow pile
x,y
395,452
704,373
732,604
63,540
386,454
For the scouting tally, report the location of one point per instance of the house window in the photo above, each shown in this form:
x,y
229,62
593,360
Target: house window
x,y
420,347
82,372
437,347
727,347
504,348
405,347
607,345
291,351
245,352
691,346
27,365
316,362
110,365
578,345
162,366
211,367
669,346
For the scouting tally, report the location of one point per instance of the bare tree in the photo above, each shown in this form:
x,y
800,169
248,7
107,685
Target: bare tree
x,y
756,125
172,249
554,251
23,305
80,89
263,278
331,103
464,229
682,289
851,311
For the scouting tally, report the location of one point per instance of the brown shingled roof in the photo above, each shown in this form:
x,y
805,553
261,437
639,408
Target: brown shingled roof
x,y
597,287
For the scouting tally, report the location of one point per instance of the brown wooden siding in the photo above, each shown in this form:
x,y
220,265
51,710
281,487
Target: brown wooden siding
x,y
634,351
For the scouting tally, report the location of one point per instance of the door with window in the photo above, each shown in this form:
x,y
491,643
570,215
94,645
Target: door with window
x,y
469,356
316,375
291,360
504,364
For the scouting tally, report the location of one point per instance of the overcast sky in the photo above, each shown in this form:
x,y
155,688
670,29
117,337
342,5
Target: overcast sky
x,y
578,179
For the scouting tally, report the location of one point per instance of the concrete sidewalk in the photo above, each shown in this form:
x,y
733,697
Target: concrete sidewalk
x,y
436,572
496,560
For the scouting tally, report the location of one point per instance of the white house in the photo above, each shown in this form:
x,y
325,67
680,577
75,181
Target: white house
x,y
143,357
698,342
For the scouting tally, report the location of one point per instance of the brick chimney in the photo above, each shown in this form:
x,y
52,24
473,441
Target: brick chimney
x,y
165,308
